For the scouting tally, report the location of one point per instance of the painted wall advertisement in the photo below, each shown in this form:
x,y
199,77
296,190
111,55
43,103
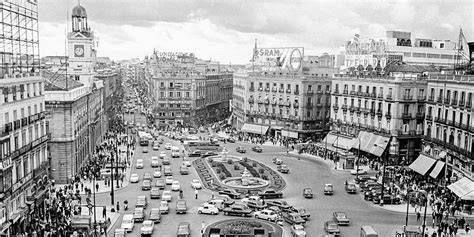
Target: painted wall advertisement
x,y
279,59
174,56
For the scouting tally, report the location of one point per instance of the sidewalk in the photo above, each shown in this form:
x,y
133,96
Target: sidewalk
x,y
114,216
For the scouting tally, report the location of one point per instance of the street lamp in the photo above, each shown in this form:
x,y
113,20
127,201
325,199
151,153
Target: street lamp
x,y
95,217
358,160
383,174
112,179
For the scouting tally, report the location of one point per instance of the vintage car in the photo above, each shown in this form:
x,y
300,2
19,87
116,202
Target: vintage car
x,y
308,193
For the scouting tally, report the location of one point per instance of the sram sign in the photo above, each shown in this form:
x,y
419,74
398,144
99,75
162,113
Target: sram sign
x,y
278,59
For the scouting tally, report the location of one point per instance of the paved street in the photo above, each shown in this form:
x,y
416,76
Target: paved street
x,y
313,173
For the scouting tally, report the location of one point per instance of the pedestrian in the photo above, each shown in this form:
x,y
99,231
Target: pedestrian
x,y
104,212
418,216
467,228
118,206
196,193
97,187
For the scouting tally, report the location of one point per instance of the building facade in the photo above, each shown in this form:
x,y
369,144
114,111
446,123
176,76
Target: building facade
x,y
385,108
281,105
23,139
366,55
449,127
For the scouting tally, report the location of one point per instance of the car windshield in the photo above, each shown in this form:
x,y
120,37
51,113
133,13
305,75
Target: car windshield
x,y
332,226
299,227
341,215
126,221
137,212
147,224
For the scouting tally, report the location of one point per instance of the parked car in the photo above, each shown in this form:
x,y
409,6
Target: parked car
x,y
328,189
277,161
166,196
155,161
293,218
139,164
166,160
160,183
167,170
297,231
254,202
231,193
195,153
266,214
341,218
240,149
162,154
387,199
257,149
168,146
184,170
209,153
156,147
359,171
361,179
184,229
127,222
301,211
331,228
282,204
142,201
283,168
138,214
307,193
147,228
164,207
186,162
146,185
157,173
134,178
207,208
145,150
155,215
181,207
175,186
196,184
119,232
155,193
351,188
169,180
270,193
147,176
237,210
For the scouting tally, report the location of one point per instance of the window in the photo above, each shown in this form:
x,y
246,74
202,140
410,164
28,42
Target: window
x,y
297,87
162,84
328,88
310,87
29,110
187,94
14,93
162,94
171,84
178,94
171,94
36,109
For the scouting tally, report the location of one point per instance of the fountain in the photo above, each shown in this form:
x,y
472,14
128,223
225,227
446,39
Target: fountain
x,y
246,181
245,177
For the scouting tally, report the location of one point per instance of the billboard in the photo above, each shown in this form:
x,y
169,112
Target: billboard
x,y
174,56
279,59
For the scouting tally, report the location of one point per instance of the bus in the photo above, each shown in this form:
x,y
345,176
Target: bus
x,y
144,138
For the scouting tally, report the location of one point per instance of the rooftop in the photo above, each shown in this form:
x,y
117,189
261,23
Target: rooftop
x,y
58,82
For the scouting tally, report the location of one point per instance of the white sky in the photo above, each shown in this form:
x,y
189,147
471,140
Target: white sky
x,y
225,30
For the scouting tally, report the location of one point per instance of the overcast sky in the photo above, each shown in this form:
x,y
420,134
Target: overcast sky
x,y
225,30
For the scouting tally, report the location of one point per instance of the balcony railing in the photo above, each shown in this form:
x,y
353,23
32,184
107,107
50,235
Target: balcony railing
x,y
461,103
260,89
379,112
309,92
373,95
251,101
429,117
296,105
335,107
281,90
309,105
446,101
345,107
274,89
296,92
267,89
439,99
320,92
380,96
388,114
469,104
420,115
454,102
421,98
440,120
352,108
336,92
389,97
288,90
406,115
431,98
345,92
352,93
252,89
407,97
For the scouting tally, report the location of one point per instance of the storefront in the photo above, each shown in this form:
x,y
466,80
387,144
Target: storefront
x,y
254,129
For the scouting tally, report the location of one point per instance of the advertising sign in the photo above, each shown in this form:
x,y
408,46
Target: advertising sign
x,y
174,56
278,59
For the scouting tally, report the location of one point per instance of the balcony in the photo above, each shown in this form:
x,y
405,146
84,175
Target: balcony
x,y
373,95
429,117
24,122
251,101
440,120
372,111
352,108
281,90
359,93
446,101
260,89
450,122
431,98
345,92
407,97
469,104
364,110
388,115
309,92
452,147
320,92
260,101
319,105
439,99
288,90
336,92
421,98
267,89
345,107
266,101
252,89
296,92
309,105
296,105
454,102
420,115
461,103
389,97
380,96
274,102
352,93
379,112
335,107
274,89
16,124
406,115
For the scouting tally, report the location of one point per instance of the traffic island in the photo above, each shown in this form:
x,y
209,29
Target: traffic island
x,y
242,228
239,173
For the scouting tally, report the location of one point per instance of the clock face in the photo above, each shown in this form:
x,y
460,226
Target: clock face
x,y
79,50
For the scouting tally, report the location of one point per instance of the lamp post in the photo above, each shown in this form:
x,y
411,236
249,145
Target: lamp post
x,y
116,160
358,160
383,174
95,217
112,178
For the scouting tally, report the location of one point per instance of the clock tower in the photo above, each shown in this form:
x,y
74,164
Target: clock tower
x,y
81,48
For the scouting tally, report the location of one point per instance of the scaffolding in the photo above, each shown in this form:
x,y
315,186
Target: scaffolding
x,y
19,38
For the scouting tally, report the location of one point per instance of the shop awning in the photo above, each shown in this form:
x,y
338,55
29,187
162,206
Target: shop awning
x,y
422,164
437,169
254,128
276,127
344,143
462,188
330,138
371,143
289,134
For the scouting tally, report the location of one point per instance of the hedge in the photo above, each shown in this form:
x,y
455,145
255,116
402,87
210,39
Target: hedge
x,y
251,169
223,169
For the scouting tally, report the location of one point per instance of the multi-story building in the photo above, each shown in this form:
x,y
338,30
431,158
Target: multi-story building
x,y
380,109
24,164
366,55
112,81
449,126
324,65
74,101
281,105
218,97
